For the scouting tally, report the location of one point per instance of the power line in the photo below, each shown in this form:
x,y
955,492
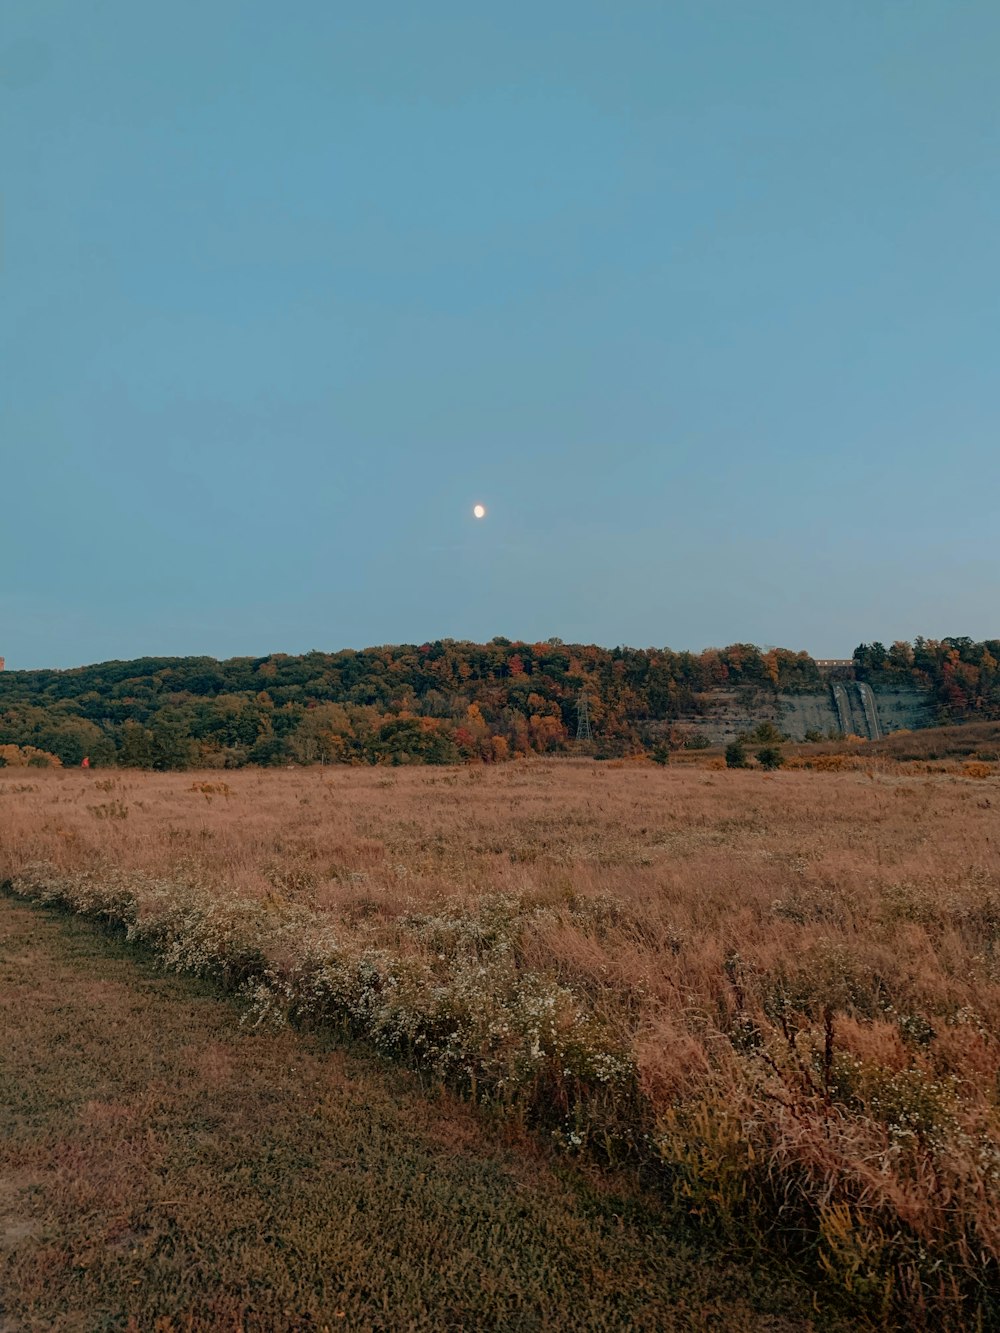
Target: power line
x,y
583,731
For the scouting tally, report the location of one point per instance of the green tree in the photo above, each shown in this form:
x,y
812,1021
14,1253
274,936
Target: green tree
x,y
766,733
170,744
736,754
137,746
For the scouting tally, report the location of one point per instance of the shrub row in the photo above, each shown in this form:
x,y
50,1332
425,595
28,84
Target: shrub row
x,y
784,1140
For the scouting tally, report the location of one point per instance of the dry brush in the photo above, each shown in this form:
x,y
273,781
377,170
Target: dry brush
x,y
779,995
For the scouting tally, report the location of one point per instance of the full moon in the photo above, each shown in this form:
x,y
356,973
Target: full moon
x,y
479,511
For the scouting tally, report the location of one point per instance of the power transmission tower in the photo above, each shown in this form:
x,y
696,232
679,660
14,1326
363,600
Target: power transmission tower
x,y
583,731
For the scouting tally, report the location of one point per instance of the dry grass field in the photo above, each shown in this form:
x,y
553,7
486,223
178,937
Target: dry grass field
x,y
162,1170
776,995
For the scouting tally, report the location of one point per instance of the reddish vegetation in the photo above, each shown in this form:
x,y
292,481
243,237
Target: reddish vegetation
x,y
782,990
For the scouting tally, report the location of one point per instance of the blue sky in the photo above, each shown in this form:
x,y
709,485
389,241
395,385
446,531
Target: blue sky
x,y
701,299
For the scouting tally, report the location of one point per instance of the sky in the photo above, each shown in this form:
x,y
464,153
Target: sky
x,y
700,298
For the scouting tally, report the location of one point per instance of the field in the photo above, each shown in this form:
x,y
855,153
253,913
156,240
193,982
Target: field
x,y
773,999
163,1169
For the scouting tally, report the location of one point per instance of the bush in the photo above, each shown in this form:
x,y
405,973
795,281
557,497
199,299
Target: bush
x,y
27,756
770,757
736,755
766,733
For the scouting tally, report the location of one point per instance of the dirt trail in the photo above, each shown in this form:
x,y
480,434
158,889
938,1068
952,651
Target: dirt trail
x,y
162,1168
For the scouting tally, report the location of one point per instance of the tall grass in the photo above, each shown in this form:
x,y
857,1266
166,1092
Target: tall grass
x,y
780,995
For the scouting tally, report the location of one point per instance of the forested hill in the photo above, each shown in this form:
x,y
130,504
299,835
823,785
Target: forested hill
x,y
436,702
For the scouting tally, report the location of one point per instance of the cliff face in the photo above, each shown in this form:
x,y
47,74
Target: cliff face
x,y
841,707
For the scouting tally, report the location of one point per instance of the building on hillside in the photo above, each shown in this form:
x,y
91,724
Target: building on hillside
x,y
839,668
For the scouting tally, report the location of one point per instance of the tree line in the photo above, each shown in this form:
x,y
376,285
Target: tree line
x,y
441,702
963,676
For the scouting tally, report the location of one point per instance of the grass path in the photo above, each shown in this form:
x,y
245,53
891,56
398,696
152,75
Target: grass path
x,y
163,1169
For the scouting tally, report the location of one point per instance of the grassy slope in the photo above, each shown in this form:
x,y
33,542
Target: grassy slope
x,y
162,1168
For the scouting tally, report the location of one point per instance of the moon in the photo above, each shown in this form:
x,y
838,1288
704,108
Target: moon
x,y
479,511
